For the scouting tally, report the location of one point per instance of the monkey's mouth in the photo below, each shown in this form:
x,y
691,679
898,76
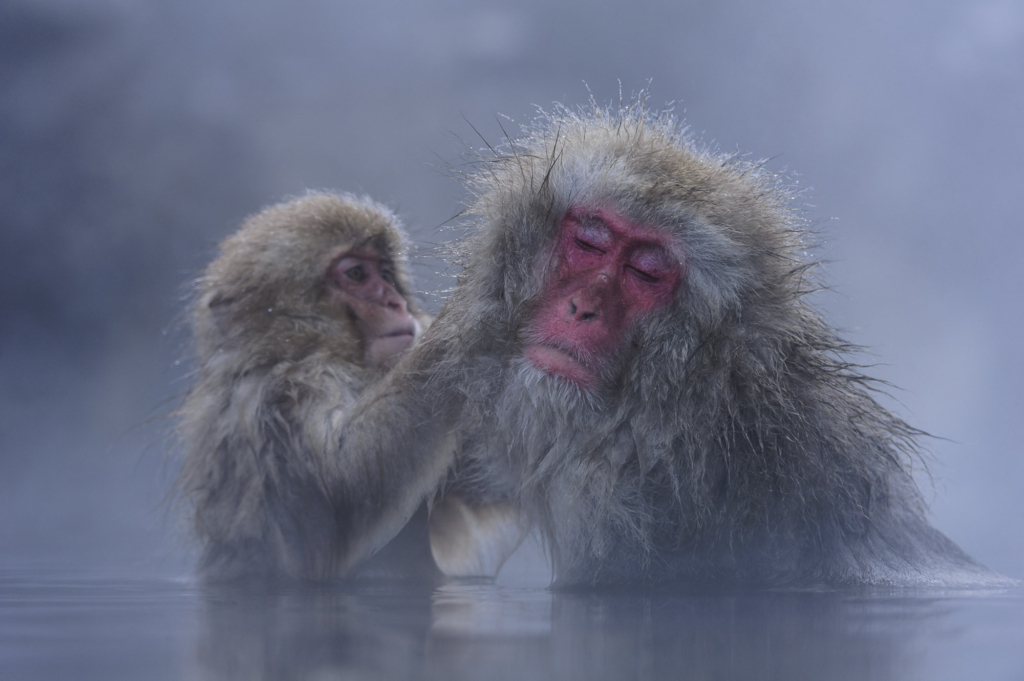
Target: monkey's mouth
x,y
400,333
398,336
558,362
388,345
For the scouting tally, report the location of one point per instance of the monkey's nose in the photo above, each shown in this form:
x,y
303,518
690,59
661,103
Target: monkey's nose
x,y
585,313
391,299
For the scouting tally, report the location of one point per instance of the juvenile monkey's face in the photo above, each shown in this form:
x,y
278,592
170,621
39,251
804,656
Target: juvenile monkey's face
x,y
607,273
365,282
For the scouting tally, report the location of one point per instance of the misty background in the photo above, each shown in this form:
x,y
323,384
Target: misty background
x,y
135,135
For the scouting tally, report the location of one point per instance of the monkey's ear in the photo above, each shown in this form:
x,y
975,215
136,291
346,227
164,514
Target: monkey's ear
x,y
220,298
221,306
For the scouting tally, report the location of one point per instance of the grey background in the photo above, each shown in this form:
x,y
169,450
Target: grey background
x,y
134,135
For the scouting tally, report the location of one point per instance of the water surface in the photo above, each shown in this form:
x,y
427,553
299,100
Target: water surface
x,y
53,627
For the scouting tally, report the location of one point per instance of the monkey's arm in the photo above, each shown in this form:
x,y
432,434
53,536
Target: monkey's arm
x,y
395,448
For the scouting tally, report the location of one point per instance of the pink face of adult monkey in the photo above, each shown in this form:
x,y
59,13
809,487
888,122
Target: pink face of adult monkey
x,y
608,274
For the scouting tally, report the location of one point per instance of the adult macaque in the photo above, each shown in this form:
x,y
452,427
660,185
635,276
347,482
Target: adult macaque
x,y
307,304
628,363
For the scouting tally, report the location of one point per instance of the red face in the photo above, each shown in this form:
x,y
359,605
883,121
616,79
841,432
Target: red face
x,y
608,272
365,281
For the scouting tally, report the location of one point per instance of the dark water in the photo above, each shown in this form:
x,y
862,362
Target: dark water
x,y
53,628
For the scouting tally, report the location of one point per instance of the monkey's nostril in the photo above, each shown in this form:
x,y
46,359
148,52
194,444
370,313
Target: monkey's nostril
x,y
572,307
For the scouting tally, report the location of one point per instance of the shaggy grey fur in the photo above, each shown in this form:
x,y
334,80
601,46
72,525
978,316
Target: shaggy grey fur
x,y
279,361
730,441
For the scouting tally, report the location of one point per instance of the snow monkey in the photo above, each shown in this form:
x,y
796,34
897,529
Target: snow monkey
x,y
629,364
307,304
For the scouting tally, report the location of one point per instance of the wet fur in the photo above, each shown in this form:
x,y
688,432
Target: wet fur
x,y
278,363
733,442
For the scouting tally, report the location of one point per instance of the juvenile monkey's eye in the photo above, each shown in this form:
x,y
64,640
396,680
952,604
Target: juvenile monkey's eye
x,y
356,274
388,276
587,246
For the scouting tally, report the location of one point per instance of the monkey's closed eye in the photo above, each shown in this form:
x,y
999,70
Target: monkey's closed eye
x,y
643,276
587,246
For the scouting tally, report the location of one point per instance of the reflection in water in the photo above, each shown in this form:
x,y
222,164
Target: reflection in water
x,y
314,632
479,630
51,628
481,609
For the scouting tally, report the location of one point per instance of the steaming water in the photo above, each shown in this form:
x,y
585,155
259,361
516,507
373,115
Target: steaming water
x,y
58,628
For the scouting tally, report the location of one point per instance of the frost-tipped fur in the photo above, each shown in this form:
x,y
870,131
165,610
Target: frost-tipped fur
x,y
278,363
731,442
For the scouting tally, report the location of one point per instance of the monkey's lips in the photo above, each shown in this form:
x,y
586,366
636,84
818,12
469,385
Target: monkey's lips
x,y
558,362
394,342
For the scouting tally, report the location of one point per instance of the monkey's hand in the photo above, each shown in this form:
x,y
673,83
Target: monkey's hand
x,y
474,540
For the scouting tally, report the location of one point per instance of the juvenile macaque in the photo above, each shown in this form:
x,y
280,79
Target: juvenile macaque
x,y
307,304
629,364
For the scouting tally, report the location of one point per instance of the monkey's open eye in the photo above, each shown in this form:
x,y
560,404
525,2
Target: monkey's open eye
x,y
388,276
356,274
